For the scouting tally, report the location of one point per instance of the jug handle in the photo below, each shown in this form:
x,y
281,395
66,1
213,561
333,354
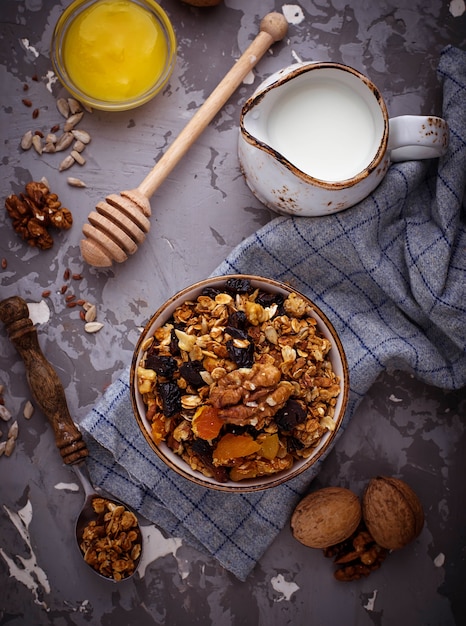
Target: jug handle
x,y
413,137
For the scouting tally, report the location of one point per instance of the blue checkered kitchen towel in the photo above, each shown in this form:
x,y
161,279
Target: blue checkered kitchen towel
x,y
390,274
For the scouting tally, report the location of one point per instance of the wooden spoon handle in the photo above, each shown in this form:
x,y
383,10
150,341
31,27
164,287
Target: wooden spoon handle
x,y
43,380
273,28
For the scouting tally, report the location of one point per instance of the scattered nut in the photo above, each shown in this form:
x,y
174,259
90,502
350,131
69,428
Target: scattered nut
x,y
34,211
81,135
10,446
356,557
26,140
75,182
37,143
4,413
28,410
63,107
326,517
392,511
112,543
91,314
13,431
93,327
64,141
66,163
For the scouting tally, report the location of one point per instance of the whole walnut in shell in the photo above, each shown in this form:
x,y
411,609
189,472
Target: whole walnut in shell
x,y
326,517
392,511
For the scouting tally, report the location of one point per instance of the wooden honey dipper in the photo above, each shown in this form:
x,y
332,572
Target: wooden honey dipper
x,y
121,222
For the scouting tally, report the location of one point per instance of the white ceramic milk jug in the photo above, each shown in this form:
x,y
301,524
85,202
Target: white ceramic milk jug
x,y
315,138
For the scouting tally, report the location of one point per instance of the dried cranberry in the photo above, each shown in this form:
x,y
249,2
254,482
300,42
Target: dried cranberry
x,y
190,371
243,357
163,365
238,285
170,394
290,415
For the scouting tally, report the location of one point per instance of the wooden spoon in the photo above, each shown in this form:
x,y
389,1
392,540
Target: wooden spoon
x,y
120,224
49,395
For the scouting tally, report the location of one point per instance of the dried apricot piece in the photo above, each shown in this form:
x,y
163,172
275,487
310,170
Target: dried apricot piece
x,y
206,423
234,447
269,446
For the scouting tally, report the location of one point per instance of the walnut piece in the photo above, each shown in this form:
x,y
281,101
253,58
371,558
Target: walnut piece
x,y
356,557
34,211
111,543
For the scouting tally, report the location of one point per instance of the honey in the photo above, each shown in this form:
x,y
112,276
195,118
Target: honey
x,y
114,50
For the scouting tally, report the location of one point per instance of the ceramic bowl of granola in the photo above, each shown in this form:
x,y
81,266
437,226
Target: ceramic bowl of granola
x,y
239,383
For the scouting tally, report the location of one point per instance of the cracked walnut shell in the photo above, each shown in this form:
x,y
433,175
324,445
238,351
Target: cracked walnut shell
x,y
392,512
326,517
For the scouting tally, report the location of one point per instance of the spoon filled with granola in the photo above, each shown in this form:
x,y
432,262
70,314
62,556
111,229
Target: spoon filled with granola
x,y
107,532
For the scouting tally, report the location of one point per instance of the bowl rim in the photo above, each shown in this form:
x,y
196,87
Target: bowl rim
x,y
162,314
59,67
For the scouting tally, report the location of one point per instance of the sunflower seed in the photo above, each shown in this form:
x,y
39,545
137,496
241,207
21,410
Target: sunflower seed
x,y
13,431
75,106
2,447
81,135
91,313
4,413
28,410
72,121
26,141
10,446
63,107
49,147
37,144
51,138
79,146
78,157
45,182
66,163
93,327
75,182
64,141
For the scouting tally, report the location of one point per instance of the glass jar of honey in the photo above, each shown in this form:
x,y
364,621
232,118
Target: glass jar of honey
x,y
113,54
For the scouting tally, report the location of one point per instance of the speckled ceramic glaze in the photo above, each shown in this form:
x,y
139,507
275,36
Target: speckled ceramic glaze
x,y
350,128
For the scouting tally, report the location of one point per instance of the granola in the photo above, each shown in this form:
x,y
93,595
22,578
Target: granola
x,y
238,382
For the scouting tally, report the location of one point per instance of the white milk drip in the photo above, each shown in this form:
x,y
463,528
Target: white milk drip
x,y
325,129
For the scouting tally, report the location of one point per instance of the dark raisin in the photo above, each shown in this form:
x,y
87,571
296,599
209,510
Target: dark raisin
x,y
174,347
238,285
243,357
203,451
211,292
237,319
190,371
294,444
266,299
236,333
290,415
170,394
163,365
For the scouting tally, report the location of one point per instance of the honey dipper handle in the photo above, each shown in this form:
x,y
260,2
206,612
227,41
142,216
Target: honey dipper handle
x,y
43,380
273,28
